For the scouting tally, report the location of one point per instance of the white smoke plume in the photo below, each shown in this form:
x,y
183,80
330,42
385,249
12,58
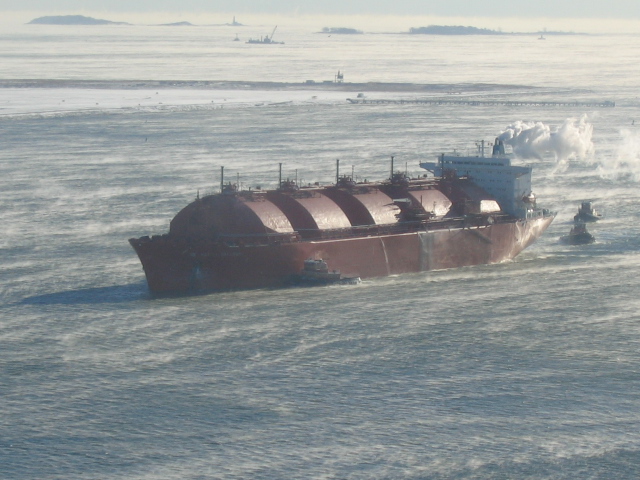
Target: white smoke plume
x,y
625,161
570,140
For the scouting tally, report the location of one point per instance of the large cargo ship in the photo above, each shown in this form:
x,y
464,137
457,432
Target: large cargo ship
x,y
468,210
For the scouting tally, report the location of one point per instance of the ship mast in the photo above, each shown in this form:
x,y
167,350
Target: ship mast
x,y
481,148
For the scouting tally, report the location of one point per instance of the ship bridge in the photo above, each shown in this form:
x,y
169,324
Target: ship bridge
x,y
510,185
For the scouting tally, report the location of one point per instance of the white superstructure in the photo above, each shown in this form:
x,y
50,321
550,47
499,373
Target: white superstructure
x,y
509,185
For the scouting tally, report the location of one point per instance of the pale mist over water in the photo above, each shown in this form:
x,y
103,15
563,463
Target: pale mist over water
x,y
526,369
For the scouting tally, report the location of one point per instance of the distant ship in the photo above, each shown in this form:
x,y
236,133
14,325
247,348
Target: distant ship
x,y
473,210
266,40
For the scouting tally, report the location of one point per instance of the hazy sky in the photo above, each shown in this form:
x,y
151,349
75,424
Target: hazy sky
x,y
621,9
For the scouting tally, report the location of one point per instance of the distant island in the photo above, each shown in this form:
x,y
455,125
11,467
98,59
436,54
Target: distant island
x,y
452,30
82,20
341,31
73,20
460,30
176,24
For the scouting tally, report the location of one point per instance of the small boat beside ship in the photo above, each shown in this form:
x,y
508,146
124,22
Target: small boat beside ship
x,y
578,235
586,213
316,272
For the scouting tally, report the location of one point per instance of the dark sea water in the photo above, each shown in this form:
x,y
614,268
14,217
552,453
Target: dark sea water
x,y
524,370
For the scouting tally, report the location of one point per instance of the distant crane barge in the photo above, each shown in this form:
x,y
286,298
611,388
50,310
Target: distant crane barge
x,y
267,40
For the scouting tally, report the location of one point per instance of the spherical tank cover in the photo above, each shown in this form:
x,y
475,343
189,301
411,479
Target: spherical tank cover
x,y
228,215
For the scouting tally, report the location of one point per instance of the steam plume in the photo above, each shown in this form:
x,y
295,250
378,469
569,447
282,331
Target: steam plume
x,y
625,162
572,139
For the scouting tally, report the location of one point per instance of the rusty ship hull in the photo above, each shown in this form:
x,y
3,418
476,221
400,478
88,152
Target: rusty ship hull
x,y
470,211
173,266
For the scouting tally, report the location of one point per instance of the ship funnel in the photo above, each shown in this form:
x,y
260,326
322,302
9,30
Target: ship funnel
x,y
221,179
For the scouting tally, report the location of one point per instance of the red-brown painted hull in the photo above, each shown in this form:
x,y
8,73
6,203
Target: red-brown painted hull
x,y
175,266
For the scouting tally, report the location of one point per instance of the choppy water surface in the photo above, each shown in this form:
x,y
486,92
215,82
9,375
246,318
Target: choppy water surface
x,y
527,369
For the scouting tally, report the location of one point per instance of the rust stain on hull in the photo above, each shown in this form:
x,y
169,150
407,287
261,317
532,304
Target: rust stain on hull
x,y
176,267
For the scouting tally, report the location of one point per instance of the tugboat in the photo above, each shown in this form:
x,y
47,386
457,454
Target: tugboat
x,y
586,213
316,272
578,235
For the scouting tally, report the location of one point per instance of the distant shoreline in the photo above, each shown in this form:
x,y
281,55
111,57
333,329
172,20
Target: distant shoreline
x,y
446,30
252,85
72,20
